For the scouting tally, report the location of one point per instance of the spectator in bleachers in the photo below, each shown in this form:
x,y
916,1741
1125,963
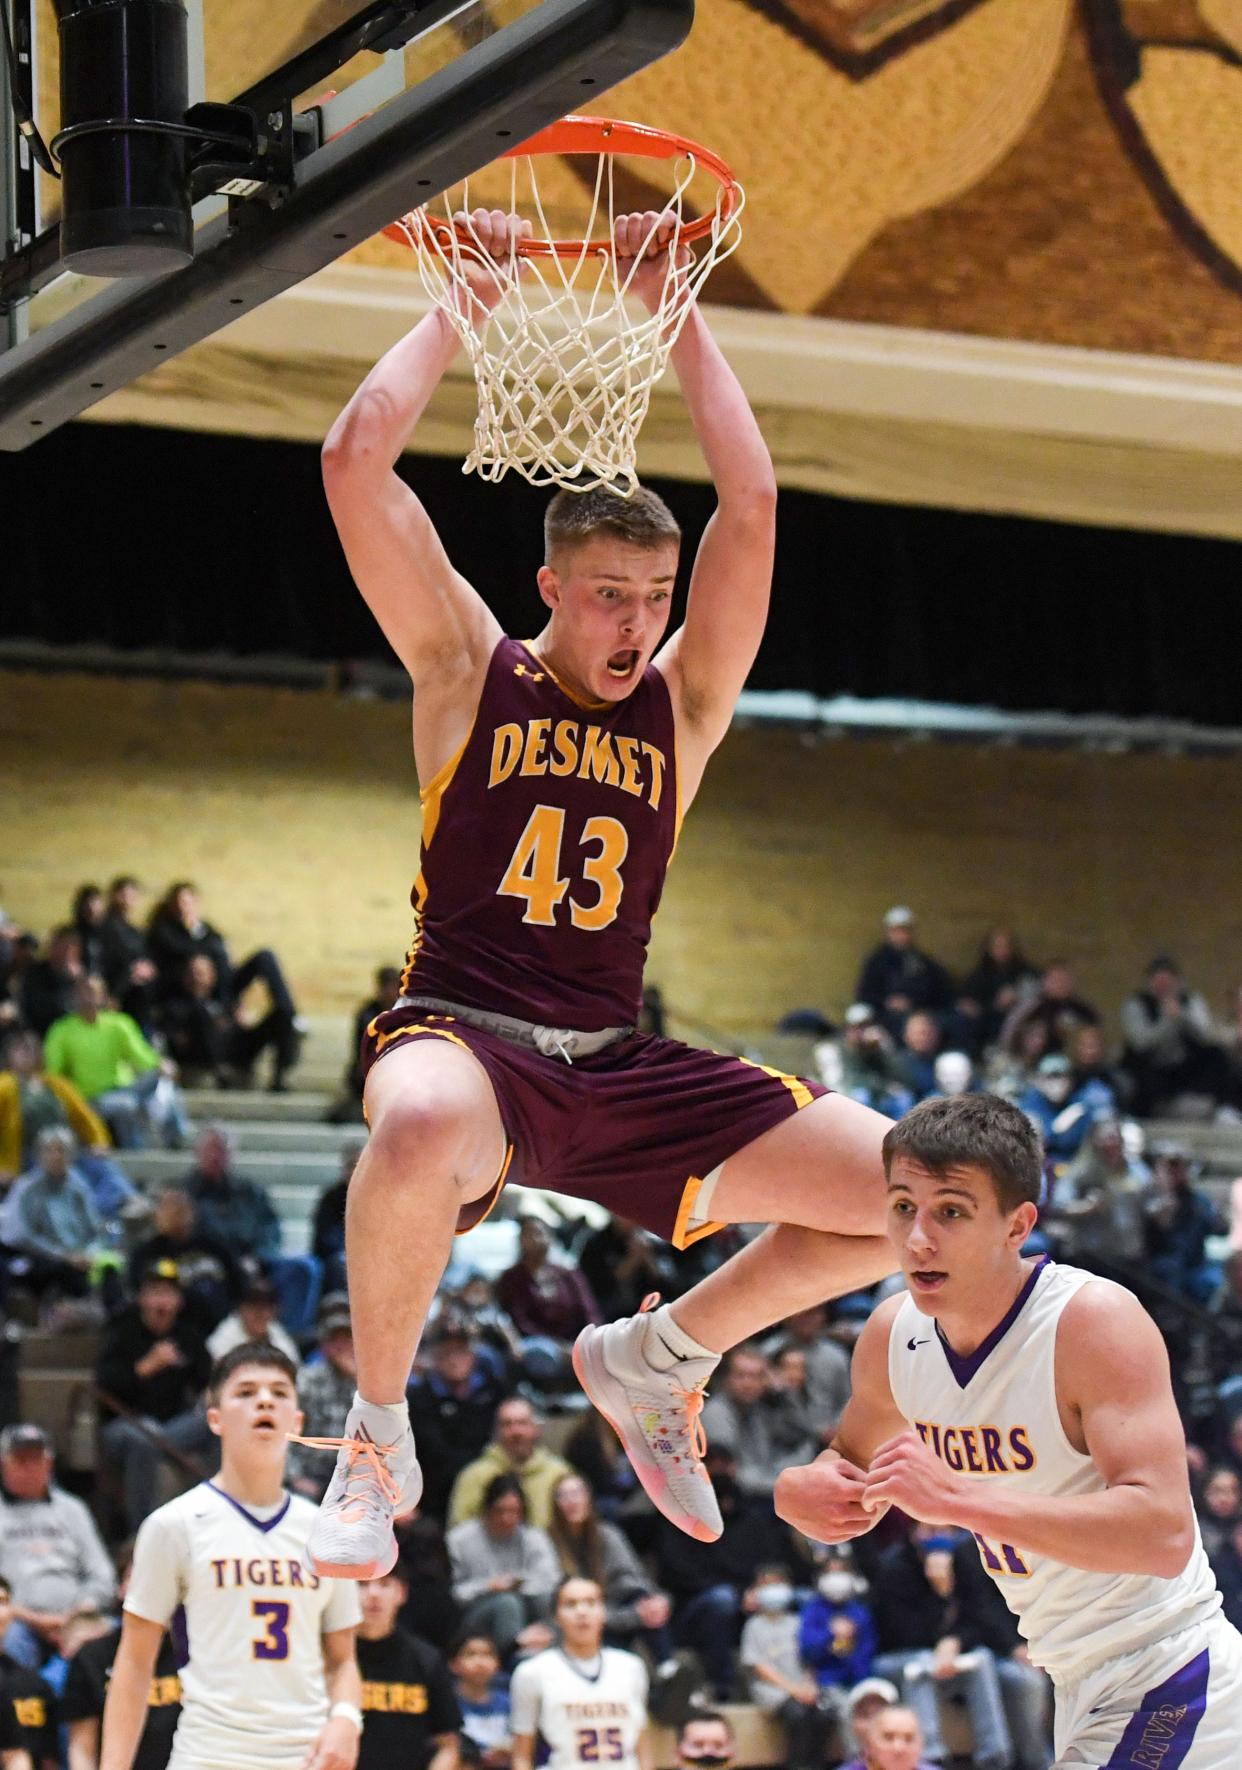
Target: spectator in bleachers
x,y
836,1635
1100,1200
409,1706
595,1452
238,1211
1172,1050
51,1556
177,933
103,1053
86,1689
789,1381
895,1741
898,979
256,1317
347,1109
591,1548
827,1363
621,1262
483,1697
87,915
32,1101
954,1073
1219,1507
504,1570
47,984
1226,1342
707,1581
549,1304
432,1611
1064,1113
154,1364
516,1449
706,1739
475,1304
780,1684
991,991
325,1394
1055,1007
328,1229
871,1069
30,1701
928,1646
916,1054
209,1038
126,965
1089,1063
760,1425
1011,1067
453,1403
1179,1221
210,1275
865,1701
51,1219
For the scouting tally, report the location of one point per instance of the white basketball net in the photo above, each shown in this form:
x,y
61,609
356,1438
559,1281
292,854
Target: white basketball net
x,y
565,363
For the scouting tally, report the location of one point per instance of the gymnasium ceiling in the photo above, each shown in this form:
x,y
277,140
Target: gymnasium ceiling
x,y
992,253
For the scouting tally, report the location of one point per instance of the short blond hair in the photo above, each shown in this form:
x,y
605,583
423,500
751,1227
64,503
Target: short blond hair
x,y
643,519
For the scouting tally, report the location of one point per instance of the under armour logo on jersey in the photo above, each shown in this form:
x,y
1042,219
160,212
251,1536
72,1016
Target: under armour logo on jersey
x,y
521,670
911,1344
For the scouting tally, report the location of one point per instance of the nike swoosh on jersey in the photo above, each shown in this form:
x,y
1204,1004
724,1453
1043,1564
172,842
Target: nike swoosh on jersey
x,y
911,1344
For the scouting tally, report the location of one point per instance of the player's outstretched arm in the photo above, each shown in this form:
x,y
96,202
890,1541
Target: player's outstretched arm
x,y
1112,1371
337,1745
125,1708
432,618
708,660
825,1499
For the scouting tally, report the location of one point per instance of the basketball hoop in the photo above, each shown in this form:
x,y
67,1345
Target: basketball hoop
x,y
564,366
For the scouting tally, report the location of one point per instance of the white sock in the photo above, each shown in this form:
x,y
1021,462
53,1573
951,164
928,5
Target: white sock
x,y
665,1344
384,1416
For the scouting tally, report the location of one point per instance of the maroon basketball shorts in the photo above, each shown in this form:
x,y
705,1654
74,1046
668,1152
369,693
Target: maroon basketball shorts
x,y
636,1127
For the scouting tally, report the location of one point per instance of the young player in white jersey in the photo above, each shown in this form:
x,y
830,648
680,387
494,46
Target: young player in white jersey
x,y
586,1701
1044,1422
271,1682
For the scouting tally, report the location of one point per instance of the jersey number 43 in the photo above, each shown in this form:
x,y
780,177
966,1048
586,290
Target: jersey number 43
x,y
534,870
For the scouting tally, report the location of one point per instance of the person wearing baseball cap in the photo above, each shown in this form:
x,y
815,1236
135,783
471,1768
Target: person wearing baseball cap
x,y
256,1317
50,1550
325,1395
897,979
864,1703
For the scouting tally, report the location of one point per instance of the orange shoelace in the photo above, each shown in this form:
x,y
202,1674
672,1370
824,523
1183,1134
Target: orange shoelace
x,y
694,1399
366,1461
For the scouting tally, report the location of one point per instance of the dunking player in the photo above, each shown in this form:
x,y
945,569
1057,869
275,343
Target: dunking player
x,y
1043,1421
555,775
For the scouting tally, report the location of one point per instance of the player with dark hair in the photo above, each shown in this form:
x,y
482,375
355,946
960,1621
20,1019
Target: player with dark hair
x,y
555,776
586,1702
271,1681
1030,1403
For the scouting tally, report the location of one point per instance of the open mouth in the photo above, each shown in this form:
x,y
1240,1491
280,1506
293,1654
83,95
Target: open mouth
x,y
622,664
265,1425
927,1282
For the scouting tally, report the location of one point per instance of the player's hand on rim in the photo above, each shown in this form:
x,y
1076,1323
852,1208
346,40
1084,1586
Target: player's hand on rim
x,y
824,1500
647,234
488,272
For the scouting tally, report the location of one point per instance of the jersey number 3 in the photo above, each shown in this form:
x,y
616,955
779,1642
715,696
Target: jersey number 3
x,y
274,1642
534,871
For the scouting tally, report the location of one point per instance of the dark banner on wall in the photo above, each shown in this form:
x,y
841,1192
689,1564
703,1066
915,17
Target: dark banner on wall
x,y
134,538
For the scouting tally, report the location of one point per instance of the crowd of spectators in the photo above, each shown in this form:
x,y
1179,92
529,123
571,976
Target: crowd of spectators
x,y
523,1485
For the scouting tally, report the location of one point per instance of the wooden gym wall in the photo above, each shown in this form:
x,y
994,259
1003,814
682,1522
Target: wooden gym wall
x,y
297,815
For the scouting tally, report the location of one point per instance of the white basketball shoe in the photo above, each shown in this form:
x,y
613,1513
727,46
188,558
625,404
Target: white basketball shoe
x,y
352,1536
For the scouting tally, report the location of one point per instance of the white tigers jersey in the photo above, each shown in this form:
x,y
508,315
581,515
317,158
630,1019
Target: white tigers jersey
x,y
588,1711
993,1416
255,1613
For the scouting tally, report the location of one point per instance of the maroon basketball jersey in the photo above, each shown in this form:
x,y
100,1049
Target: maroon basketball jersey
x,y
545,844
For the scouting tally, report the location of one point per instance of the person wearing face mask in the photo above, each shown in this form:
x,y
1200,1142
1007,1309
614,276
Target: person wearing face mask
x,y
706,1743
1063,1111
780,1684
836,1635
